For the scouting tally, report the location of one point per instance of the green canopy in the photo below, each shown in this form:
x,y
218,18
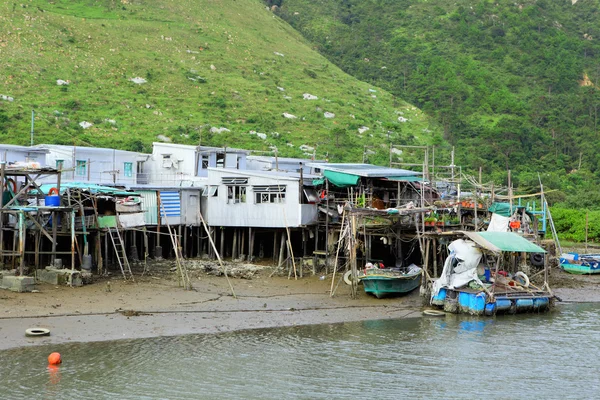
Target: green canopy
x,y
504,241
406,178
343,179
339,179
502,209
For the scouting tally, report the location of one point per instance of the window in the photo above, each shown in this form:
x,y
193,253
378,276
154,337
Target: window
x,y
269,194
80,168
210,191
204,162
166,161
128,169
236,194
220,160
59,164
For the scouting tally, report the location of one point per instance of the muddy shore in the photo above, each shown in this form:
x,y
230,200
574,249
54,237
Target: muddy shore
x,y
154,305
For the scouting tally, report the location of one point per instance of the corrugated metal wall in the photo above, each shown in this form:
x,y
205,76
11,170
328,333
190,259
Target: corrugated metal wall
x,y
190,207
149,206
170,206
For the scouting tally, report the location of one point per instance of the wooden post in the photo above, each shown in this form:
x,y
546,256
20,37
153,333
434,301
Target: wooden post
x,y
234,243
37,249
243,242
21,242
222,245
212,243
185,252
281,248
435,258
251,235
275,249
353,266
2,168
72,244
327,227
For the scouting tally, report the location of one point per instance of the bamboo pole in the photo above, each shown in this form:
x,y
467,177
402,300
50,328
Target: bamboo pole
x,y
212,243
337,252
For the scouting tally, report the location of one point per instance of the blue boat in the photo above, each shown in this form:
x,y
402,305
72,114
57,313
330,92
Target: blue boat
x,y
467,286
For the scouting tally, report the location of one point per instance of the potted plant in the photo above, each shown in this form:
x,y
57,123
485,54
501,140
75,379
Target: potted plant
x,y
430,221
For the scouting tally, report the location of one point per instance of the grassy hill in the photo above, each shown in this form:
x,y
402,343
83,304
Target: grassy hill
x,y
513,84
217,72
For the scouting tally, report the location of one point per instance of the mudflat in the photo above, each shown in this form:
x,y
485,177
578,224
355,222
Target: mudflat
x,y
155,305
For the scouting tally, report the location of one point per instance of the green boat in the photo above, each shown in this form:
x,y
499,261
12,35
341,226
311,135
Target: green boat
x,y
580,264
382,283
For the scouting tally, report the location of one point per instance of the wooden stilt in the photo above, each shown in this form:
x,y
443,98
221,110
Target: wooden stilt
x,y
222,247
281,248
234,247
275,249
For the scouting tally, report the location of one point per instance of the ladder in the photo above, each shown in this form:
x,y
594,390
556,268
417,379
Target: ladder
x,y
117,241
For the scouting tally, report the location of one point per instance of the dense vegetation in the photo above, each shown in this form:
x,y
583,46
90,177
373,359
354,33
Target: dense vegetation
x,y
205,65
512,84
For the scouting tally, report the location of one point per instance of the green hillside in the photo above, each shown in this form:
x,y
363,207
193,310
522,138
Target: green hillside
x,y
207,65
514,85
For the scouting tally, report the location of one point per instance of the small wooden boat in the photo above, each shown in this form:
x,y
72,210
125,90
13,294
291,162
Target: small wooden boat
x,y
389,282
581,264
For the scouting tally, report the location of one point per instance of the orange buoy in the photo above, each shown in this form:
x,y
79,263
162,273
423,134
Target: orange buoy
x,y
54,359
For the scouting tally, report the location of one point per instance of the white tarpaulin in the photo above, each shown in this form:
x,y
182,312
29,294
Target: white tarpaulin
x,y
498,223
460,267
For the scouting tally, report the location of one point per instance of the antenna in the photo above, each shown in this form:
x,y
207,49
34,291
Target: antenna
x,y
32,121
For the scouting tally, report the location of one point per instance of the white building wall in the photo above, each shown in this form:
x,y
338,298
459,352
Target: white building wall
x,y
94,165
17,154
250,214
172,165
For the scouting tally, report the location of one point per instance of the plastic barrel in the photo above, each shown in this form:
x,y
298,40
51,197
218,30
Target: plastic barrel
x,y
52,201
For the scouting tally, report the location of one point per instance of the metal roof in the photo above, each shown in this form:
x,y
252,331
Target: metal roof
x,y
90,187
304,161
67,148
503,241
365,170
23,148
267,174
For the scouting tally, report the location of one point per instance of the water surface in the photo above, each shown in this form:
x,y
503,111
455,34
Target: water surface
x,y
454,357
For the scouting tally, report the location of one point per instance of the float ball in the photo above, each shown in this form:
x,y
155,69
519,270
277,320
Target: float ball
x,y
54,359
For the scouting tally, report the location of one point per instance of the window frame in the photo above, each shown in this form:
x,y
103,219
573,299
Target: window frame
x,y
80,167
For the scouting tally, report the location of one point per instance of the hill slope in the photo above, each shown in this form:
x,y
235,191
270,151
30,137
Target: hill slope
x,y
212,71
514,85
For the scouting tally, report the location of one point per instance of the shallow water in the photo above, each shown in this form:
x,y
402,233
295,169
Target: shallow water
x,y
454,357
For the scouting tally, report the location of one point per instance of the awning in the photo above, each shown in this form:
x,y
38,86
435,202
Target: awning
x,y
339,179
502,209
503,241
405,178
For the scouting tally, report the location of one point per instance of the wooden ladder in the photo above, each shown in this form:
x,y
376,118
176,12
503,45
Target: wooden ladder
x,y
119,246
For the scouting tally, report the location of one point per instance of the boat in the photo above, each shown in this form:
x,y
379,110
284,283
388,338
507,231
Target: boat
x,y
468,286
581,264
388,282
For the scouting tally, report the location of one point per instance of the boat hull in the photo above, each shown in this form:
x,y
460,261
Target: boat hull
x,y
477,303
579,269
385,286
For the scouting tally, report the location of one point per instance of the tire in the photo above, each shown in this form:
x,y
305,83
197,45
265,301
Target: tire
x,y
524,277
31,332
537,259
434,313
347,276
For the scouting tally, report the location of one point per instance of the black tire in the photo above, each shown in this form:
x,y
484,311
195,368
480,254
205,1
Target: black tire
x,y
537,259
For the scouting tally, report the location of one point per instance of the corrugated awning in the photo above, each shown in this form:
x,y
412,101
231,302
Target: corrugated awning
x,y
344,179
405,178
503,241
